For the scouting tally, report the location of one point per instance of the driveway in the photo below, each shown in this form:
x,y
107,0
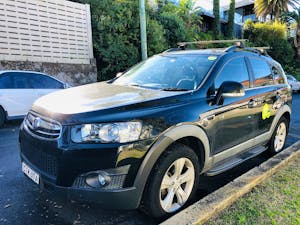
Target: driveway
x,y
21,203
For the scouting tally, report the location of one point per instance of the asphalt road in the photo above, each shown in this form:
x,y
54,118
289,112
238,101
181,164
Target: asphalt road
x,y
21,203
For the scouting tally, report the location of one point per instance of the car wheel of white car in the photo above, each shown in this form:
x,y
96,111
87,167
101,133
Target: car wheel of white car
x,y
2,116
172,183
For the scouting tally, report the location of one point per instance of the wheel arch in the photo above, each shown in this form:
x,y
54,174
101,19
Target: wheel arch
x,y
5,113
189,134
287,115
284,111
197,146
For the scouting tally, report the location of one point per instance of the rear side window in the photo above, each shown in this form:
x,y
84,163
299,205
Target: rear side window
x,y
234,70
40,81
5,82
20,80
262,72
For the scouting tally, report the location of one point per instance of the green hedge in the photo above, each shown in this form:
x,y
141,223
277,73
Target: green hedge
x,y
273,35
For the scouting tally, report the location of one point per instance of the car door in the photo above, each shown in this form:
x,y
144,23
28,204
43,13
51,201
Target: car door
x,y
44,84
19,95
234,120
266,93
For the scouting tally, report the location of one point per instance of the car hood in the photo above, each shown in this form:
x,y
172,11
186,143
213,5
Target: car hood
x,y
94,97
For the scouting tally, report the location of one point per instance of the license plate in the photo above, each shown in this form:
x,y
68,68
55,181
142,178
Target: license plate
x,y
30,173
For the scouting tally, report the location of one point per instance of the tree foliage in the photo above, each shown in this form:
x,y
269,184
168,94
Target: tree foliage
x,y
294,17
116,33
216,24
274,8
273,35
181,23
230,32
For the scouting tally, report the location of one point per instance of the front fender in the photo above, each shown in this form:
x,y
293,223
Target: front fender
x,y
163,142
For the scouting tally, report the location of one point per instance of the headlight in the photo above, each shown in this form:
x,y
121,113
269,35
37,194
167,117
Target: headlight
x,y
107,133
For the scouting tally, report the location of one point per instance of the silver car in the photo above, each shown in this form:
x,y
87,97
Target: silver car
x,y
295,84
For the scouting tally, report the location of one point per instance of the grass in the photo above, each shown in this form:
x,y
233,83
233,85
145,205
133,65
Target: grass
x,y
276,201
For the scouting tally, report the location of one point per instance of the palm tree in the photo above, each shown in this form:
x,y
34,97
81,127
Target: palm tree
x,y
295,17
273,7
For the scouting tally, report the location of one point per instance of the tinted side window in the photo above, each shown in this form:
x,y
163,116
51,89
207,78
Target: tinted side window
x,y
20,80
5,82
40,81
277,76
262,72
235,70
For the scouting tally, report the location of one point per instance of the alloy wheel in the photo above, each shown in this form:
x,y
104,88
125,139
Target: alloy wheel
x,y
177,185
280,137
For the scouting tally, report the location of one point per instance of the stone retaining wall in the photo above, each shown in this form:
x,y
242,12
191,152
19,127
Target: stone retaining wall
x,y
73,74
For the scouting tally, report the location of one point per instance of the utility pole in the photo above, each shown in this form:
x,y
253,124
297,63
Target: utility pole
x,y
143,29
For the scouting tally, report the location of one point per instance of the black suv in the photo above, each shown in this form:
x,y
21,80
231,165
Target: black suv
x,y
143,138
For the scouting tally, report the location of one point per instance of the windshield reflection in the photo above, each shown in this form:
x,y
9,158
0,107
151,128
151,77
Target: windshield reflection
x,y
169,72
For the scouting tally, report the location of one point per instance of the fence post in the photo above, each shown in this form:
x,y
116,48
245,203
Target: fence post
x,y
89,31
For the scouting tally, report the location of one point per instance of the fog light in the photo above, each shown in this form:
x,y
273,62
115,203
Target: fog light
x,y
102,180
99,179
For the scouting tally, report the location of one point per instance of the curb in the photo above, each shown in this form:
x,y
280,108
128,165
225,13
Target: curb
x,y
203,210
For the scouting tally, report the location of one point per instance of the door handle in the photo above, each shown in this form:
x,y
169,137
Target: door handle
x,y
211,117
252,103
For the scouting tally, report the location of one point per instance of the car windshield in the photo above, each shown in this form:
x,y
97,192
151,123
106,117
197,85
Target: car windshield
x,y
169,72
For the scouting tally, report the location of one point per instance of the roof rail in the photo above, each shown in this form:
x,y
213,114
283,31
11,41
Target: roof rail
x,y
173,50
257,50
239,45
182,45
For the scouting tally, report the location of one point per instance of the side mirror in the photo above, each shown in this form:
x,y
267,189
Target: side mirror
x,y
229,89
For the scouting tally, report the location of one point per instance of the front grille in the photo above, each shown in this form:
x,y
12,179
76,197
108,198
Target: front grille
x,y
45,162
42,127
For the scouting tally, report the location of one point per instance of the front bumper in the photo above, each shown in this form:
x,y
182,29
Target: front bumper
x,y
62,171
124,198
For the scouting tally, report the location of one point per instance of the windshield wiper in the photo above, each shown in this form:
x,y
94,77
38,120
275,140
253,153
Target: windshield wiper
x,y
174,89
136,85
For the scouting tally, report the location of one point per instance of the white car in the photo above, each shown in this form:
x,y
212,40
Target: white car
x,y
293,82
19,89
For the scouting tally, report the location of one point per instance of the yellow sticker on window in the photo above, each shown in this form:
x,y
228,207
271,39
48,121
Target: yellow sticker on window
x,y
266,113
212,58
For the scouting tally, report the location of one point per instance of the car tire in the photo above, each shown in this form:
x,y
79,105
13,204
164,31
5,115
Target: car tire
x,y
172,182
279,136
2,116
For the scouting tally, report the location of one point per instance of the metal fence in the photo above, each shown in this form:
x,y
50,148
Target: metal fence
x,y
56,31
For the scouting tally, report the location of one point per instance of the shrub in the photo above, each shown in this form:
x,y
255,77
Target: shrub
x,y
155,36
174,28
272,35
